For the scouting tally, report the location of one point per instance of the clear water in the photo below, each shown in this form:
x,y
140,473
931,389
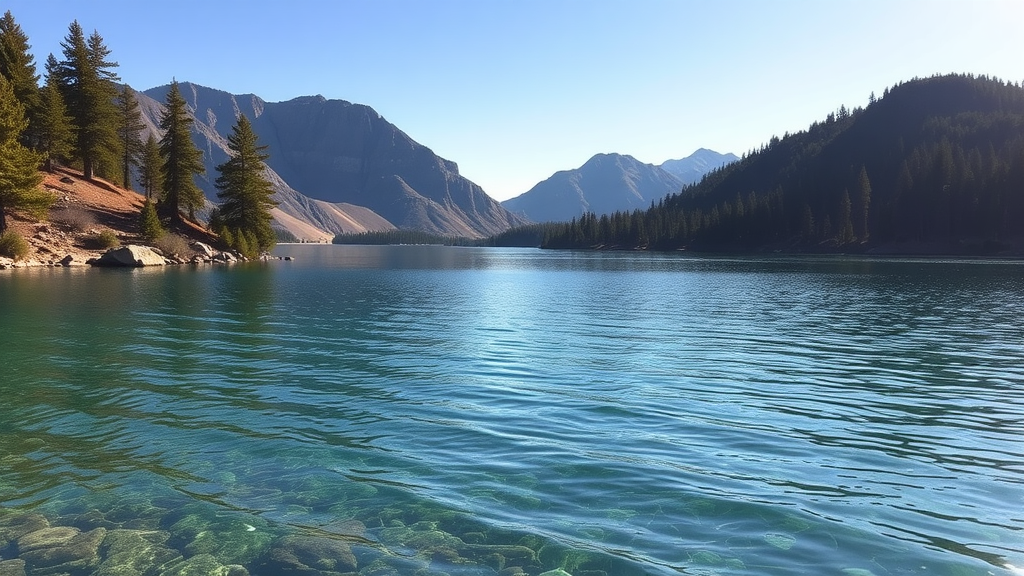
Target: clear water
x,y
615,413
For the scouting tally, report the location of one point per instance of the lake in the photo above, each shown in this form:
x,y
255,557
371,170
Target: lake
x,y
416,410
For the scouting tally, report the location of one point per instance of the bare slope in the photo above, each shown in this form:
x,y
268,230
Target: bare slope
x,y
344,155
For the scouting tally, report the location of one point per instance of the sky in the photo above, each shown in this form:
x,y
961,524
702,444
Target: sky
x,y
515,90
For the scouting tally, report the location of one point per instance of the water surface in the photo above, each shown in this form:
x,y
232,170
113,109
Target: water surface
x,y
615,413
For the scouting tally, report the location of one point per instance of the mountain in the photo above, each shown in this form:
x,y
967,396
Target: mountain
x,y
338,166
691,169
934,166
605,184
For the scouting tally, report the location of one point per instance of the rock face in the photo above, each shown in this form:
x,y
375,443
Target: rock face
x,y
131,256
605,184
340,166
692,168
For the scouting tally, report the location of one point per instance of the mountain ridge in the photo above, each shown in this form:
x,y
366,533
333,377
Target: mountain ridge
x,y
340,155
604,184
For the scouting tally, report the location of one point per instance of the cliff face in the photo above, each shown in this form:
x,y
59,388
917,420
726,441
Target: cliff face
x,y
341,166
605,184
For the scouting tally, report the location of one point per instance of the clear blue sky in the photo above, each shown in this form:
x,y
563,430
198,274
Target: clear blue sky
x,y
514,90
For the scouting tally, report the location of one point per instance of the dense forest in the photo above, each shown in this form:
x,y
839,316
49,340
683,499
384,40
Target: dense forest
x,y
935,164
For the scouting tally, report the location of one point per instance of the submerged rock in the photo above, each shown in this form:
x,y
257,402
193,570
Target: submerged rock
x,y
136,553
309,555
61,549
236,546
14,525
130,256
12,567
201,565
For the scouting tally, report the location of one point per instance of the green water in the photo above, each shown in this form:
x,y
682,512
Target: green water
x,y
430,410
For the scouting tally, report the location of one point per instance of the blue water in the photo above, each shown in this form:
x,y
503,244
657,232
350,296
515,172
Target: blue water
x,y
615,413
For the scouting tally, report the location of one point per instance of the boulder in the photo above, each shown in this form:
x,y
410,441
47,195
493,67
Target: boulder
x,y
130,256
205,250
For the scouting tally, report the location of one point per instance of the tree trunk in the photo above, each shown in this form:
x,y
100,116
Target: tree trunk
x,y
3,219
87,168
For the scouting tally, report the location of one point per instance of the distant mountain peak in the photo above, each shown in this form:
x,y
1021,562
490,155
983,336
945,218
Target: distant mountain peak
x,y
692,168
605,183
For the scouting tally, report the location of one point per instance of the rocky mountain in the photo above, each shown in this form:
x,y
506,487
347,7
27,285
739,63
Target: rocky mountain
x,y
692,168
338,166
605,184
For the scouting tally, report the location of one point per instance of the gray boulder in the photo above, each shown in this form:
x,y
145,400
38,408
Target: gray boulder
x,y
130,256
205,250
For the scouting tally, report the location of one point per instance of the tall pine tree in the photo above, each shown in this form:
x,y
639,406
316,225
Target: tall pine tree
x,y
87,84
129,133
181,160
55,132
245,193
19,166
150,166
18,66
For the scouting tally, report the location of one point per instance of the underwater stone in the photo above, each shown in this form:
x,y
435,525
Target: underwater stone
x,y
12,567
201,565
47,538
307,555
235,546
188,527
556,572
14,525
236,570
61,549
136,553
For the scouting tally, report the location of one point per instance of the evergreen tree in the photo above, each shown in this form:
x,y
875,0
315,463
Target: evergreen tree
x,y
150,166
149,222
55,132
181,160
18,66
244,192
129,133
87,84
864,201
845,219
19,174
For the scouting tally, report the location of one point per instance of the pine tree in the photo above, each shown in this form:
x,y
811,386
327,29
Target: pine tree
x,y
19,174
129,133
244,192
87,84
149,222
55,132
150,166
845,221
18,66
864,202
181,160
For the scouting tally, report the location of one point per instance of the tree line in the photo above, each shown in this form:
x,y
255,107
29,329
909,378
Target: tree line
x,y
80,116
938,161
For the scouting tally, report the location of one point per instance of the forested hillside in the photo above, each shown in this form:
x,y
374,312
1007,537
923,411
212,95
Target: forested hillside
x,y
935,164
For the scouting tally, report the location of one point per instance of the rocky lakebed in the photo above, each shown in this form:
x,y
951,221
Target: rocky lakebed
x,y
142,538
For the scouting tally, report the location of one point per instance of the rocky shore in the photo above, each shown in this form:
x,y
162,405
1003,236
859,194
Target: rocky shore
x,y
94,222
